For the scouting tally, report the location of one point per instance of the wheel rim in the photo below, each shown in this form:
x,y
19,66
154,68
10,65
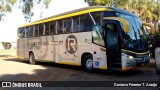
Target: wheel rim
x,y
89,63
31,58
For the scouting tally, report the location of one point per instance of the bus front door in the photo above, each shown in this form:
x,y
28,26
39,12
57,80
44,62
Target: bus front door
x,y
112,43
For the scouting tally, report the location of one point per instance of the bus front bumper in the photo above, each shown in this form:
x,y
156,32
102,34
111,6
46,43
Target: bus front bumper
x,y
136,62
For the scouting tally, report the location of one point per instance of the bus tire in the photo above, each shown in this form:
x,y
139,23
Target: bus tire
x,y
32,60
88,62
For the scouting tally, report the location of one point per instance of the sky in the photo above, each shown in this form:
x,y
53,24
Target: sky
x,y
13,20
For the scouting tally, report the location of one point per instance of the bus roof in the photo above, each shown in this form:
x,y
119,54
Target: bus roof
x,y
123,11
78,12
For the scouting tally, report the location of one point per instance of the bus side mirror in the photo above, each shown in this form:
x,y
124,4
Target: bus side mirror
x,y
149,25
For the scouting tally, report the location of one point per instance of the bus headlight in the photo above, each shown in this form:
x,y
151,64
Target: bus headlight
x,y
131,58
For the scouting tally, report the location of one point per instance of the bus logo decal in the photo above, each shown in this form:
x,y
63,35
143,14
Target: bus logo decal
x,y
71,44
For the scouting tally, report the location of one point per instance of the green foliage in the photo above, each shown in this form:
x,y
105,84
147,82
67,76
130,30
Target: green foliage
x,y
25,5
47,3
28,5
12,1
144,8
6,6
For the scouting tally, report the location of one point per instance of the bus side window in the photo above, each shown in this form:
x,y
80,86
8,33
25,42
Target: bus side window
x,y
97,16
86,23
47,28
36,31
31,29
89,22
60,27
41,28
67,25
82,23
98,35
21,32
52,28
75,24
27,32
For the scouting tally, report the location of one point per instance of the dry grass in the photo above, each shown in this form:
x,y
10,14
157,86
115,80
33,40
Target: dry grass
x,y
8,53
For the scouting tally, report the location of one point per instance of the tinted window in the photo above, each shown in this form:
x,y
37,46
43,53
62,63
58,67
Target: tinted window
x,y
47,28
41,28
36,31
60,26
109,14
86,23
27,32
31,29
97,16
67,25
75,24
98,35
52,27
21,32
82,23
135,38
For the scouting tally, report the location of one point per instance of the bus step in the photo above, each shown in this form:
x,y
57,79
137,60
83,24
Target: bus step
x,y
116,65
115,68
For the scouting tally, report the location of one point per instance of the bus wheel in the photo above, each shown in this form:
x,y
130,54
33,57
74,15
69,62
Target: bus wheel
x,y
157,70
88,62
32,59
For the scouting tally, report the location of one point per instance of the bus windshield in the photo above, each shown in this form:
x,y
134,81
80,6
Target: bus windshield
x,y
135,39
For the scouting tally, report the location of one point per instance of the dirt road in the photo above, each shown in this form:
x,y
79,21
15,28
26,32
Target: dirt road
x,y
13,69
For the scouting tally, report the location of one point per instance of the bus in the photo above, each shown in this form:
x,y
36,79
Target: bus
x,y
96,37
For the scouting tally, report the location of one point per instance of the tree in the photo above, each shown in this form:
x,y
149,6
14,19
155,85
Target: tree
x,y
145,9
6,6
25,5
106,2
